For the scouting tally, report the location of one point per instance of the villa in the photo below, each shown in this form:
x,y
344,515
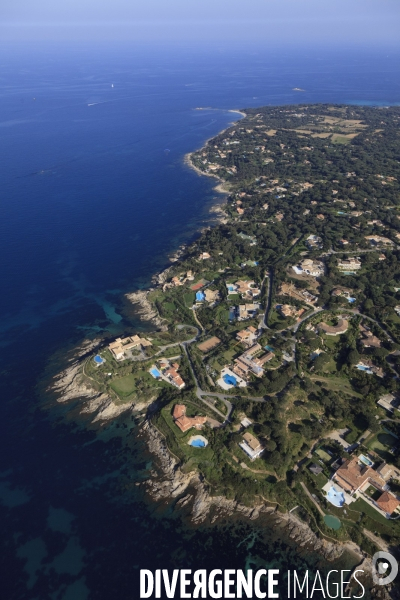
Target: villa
x,y
338,329
167,372
388,504
342,291
251,446
120,346
374,240
314,242
309,267
370,340
349,264
389,402
248,362
289,289
287,310
246,289
247,336
247,311
185,423
211,295
354,476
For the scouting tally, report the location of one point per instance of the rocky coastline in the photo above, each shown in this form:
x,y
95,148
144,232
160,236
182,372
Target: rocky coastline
x,y
145,309
169,482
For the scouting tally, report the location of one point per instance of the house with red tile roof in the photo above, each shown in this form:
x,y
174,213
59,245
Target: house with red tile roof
x,y
185,423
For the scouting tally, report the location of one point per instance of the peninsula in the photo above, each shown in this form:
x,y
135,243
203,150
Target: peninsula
x,y
271,376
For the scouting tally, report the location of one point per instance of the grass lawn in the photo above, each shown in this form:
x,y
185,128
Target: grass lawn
x,y
222,315
323,455
381,443
124,386
189,298
361,506
234,299
331,342
169,306
229,354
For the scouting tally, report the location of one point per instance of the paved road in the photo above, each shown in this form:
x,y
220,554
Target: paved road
x,y
268,299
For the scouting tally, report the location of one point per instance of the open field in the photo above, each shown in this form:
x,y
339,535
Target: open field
x,y
337,384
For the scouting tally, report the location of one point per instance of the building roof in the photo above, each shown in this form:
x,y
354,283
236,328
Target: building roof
x,y
385,471
179,411
261,360
251,441
388,503
352,475
371,341
316,469
341,327
185,423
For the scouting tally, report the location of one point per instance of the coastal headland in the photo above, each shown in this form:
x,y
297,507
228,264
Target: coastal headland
x,y
277,334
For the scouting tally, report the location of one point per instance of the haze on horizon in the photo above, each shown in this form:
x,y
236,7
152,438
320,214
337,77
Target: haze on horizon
x,y
367,22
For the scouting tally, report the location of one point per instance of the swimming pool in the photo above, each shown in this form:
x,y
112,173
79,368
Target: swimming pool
x,y
200,296
269,348
229,379
365,460
364,368
335,497
98,360
197,443
155,372
231,288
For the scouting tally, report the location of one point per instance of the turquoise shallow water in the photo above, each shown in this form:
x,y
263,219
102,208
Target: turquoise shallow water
x,y
95,195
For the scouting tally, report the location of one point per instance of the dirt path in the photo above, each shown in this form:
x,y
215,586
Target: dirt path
x,y
312,499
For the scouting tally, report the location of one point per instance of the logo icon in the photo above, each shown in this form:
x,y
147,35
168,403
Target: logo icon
x,y
384,563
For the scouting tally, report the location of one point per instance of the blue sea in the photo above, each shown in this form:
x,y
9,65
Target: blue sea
x,y
94,197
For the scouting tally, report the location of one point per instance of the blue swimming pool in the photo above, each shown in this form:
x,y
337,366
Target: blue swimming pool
x,y
231,288
197,443
229,379
365,460
98,360
155,372
200,296
364,368
335,497
269,348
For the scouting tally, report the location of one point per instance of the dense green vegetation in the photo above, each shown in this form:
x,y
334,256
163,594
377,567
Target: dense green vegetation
x,y
332,172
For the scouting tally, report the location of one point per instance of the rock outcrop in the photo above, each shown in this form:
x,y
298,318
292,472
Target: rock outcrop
x,y
170,482
146,310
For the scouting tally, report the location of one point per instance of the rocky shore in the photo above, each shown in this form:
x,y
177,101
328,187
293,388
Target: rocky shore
x,y
71,385
169,482
146,310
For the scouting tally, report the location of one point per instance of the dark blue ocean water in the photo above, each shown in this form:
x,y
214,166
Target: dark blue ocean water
x,y
94,195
